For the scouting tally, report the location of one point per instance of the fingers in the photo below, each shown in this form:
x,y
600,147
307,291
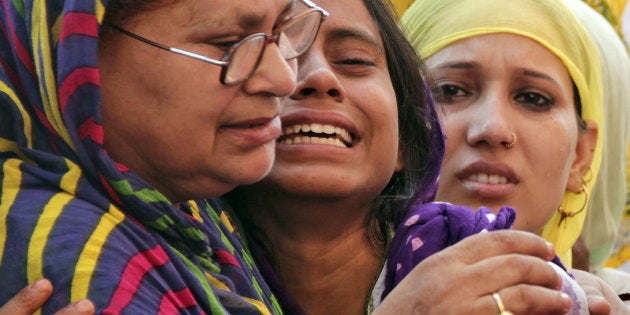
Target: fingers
x,y
513,269
598,305
29,299
82,307
461,278
602,300
33,297
527,299
481,246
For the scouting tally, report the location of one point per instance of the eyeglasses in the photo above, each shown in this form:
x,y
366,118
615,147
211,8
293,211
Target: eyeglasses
x,y
294,37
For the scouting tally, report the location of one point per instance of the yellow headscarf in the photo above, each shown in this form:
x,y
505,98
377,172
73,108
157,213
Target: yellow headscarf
x,y
609,195
401,5
610,9
432,25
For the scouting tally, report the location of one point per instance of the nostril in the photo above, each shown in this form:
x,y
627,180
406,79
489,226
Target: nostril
x,y
308,91
333,93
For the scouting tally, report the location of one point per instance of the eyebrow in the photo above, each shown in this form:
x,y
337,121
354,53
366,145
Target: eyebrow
x,y
465,65
539,75
457,65
251,20
347,33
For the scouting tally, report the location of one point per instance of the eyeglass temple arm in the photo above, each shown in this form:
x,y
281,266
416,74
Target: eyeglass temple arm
x,y
312,5
171,49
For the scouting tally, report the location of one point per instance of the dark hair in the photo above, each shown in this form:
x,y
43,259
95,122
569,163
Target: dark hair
x,y
120,10
420,138
420,134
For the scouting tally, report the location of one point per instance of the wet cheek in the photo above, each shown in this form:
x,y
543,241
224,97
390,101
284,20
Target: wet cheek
x,y
293,64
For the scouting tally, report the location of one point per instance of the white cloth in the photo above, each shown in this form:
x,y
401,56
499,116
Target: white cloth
x,y
608,197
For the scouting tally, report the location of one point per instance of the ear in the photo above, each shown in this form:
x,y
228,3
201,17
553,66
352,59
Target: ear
x,y
584,151
400,160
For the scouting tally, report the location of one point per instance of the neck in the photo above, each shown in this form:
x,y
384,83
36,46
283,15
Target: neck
x,y
321,252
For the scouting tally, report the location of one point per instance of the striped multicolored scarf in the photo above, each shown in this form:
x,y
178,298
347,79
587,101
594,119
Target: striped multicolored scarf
x,y
71,214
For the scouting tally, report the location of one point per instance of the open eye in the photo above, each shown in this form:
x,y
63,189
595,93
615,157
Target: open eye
x,y
534,100
448,93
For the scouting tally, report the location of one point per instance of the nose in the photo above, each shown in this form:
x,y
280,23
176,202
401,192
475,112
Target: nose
x,y
317,79
491,122
274,74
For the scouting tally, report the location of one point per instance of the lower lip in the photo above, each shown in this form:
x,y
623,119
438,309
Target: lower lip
x,y
313,150
256,135
484,190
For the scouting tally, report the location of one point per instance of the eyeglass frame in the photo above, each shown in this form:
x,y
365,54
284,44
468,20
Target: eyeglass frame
x,y
225,62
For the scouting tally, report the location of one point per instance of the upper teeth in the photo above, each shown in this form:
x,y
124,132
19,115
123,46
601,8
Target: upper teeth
x,y
488,178
342,136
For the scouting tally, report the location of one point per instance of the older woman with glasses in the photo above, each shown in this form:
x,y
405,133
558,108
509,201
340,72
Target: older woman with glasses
x,y
108,134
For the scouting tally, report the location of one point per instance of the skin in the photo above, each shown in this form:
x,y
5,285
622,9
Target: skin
x,y
486,95
31,298
317,253
234,126
311,183
149,117
435,285
343,81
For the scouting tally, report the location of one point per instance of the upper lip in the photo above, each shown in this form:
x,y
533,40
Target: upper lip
x,y
489,168
252,122
330,122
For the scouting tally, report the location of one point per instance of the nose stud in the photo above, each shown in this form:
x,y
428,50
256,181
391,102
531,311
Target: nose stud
x,y
514,139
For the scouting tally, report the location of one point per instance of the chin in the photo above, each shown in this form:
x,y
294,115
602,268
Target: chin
x,y
255,170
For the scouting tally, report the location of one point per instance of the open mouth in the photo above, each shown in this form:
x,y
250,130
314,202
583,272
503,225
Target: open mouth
x,y
315,133
488,178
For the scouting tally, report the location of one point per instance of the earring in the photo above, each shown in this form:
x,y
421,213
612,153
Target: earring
x,y
514,139
588,178
566,214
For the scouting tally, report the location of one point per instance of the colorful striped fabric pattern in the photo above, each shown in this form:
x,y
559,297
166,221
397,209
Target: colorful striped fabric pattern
x,y
71,214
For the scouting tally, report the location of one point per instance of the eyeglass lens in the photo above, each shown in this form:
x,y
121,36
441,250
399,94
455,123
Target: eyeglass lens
x,y
294,39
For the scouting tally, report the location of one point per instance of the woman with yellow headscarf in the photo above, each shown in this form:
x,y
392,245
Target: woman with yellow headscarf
x,y
433,26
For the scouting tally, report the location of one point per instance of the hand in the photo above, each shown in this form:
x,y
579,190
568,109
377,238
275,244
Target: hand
x,y
31,298
602,299
462,278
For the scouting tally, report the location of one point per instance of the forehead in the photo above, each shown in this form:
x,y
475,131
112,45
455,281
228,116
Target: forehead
x,y
509,50
349,17
348,13
241,14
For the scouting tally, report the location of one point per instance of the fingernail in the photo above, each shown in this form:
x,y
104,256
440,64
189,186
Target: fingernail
x,y
566,300
83,306
550,249
37,287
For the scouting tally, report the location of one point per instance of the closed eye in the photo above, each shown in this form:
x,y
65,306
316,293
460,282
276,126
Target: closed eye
x,y
358,62
354,66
